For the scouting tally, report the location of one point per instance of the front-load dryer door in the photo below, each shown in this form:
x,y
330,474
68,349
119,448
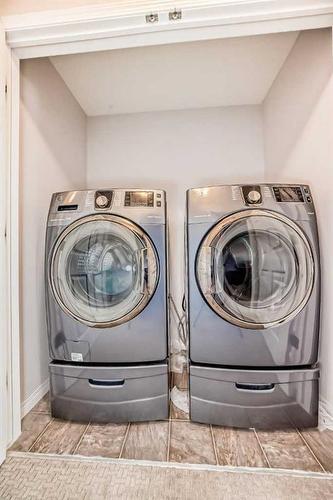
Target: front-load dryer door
x,y
103,270
255,269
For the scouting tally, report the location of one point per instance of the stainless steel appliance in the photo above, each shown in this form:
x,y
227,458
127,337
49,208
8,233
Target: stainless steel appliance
x,y
253,305
106,296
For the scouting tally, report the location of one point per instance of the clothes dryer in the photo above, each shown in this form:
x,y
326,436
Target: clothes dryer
x,y
253,305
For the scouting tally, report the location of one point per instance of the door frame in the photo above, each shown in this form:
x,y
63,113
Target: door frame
x,y
9,270
124,24
3,243
96,28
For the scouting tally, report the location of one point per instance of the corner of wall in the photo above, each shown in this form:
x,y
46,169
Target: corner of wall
x,y
53,144
34,397
297,137
325,415
294,94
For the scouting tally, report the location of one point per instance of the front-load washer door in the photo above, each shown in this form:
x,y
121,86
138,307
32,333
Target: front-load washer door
x,y
103,270
255,269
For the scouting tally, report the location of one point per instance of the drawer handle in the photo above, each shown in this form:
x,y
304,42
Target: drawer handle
x,y
107,383
255,387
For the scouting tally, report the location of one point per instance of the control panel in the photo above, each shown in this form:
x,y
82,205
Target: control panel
x,y
142,199
256,194
292,194
148,205
103,199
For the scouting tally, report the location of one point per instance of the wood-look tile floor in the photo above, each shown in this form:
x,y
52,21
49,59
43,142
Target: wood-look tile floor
x,y
177,440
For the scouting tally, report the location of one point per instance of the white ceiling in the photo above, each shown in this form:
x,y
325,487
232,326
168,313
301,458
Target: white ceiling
x,y
225,72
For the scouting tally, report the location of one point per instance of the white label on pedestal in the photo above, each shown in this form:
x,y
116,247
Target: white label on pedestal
x,y
76,356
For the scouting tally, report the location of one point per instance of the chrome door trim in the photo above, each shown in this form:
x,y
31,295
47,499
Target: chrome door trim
x,y
206,244
148,247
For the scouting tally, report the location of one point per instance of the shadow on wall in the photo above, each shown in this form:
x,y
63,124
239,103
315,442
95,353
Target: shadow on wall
x,y
43,95
294,94
299,148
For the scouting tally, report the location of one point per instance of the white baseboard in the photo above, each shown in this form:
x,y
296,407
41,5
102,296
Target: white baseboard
x,y
33,399
325,415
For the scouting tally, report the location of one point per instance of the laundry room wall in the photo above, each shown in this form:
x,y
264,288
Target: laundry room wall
x,y
176,150
298,131
285,138
53,158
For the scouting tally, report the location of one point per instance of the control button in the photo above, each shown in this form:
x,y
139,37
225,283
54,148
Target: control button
x,y
158,203
308,199
158,195
102,201
254,197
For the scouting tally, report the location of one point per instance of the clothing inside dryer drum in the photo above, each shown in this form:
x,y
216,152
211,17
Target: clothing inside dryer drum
x,y
262,269
102,269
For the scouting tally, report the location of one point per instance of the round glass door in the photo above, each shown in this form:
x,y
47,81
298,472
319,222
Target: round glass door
x,y
103,270
255,269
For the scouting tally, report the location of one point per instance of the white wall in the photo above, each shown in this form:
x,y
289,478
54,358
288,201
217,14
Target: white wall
x,y
53,146
178,76
298,128
174,151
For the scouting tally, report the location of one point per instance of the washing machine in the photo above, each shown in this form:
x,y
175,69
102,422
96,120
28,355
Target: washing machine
x,y
106,302
253,301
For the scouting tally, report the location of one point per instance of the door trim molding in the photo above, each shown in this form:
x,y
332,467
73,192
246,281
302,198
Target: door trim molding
x,y
114,26
124,25
9,269
13,245
5,416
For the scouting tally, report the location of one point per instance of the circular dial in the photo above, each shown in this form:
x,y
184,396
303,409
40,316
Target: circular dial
x,y
101,201
253,197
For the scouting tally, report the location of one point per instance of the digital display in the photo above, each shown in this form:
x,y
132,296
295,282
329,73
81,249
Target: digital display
x,y
139,199
288,194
